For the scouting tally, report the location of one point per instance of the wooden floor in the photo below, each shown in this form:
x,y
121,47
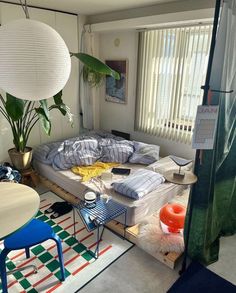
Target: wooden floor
x,y
170,258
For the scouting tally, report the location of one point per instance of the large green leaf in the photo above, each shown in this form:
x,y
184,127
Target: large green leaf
x,y
61,108
45,122
59,104
96,64
65,110
44,105
14,107
58,98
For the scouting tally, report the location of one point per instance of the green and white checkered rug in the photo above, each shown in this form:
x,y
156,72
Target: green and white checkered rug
x,y
80,266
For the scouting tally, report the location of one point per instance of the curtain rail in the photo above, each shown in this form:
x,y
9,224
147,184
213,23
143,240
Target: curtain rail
x,y
179,25
43,8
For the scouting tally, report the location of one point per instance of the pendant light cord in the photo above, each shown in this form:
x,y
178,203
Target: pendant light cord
x,y
25,8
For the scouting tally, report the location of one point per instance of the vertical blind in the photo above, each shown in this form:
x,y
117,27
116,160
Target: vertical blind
x,y
172,68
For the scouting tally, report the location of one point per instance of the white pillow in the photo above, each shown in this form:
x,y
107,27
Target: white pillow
x,y
145,153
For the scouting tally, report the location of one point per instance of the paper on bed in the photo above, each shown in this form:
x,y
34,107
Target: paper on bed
x,y
167,164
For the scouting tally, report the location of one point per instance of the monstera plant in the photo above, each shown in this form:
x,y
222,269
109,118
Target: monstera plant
x,y
23,115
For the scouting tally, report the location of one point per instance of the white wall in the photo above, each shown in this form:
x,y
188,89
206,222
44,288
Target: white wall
x,y
112,115
121,116
67,27
123,26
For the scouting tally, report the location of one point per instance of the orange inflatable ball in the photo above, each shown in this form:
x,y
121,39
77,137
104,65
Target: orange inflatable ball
x,y
172,217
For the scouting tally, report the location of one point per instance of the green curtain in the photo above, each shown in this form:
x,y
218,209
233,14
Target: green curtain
x,y
214,195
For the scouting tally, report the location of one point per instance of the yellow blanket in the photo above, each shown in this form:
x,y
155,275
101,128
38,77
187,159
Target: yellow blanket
x,y
87,172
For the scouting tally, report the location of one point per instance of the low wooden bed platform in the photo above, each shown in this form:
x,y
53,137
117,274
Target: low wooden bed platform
x,y
170,258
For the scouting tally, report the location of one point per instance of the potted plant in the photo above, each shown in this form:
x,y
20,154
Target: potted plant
x,y
23,115
94,70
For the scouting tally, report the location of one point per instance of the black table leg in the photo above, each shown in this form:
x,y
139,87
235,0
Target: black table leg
x,y
184,263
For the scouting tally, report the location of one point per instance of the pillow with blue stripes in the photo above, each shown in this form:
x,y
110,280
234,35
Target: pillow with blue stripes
x,y
144,153
140,183
116,151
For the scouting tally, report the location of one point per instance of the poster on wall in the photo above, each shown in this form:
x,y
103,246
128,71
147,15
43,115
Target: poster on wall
x,y
116,90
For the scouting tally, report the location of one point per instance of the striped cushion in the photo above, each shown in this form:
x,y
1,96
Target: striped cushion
x,y
116,151
144,153
139,183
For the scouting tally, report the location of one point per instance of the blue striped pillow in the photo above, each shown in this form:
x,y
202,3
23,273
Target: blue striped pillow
x,y
144,153
139,183
116,151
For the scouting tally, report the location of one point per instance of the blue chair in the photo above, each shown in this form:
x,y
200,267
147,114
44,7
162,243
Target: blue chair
x,y
32,234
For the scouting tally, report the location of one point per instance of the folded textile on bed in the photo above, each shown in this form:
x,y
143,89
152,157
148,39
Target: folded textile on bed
x,y
139,183
88,172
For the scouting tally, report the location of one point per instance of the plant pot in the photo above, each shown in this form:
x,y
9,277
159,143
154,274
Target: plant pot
x,y
21,160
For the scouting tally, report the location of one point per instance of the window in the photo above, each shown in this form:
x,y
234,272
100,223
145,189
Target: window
x,y
172,68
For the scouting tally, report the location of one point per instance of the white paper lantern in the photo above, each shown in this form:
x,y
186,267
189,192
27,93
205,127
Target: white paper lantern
x,y
35,62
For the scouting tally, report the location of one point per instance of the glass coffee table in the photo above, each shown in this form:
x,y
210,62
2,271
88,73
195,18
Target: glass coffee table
x,y
95,216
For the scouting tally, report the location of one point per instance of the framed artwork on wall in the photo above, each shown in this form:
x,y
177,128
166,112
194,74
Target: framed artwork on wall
x,y
116,90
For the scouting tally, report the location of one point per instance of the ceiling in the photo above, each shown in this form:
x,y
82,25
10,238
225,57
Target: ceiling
x,y
91,7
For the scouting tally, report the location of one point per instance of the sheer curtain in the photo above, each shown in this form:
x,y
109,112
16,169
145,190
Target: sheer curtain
x,y
88,94
172,68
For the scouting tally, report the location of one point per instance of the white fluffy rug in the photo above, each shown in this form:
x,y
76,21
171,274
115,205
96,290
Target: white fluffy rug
x,y
152,239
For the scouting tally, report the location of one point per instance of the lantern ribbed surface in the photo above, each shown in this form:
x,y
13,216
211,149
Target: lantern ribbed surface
x,y
35,62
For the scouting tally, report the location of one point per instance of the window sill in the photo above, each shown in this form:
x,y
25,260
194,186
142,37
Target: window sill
x,y
179,126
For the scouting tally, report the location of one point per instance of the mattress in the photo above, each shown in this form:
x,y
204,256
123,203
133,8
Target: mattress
x,y
137,210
